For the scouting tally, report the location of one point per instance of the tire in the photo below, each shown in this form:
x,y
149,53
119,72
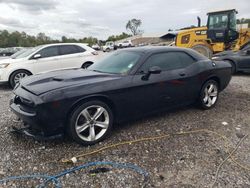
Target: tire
x,y
208,99
204,50
233,69
107,50
16,76
92,130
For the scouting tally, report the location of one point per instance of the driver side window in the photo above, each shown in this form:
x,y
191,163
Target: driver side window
x,y
49,52
167,61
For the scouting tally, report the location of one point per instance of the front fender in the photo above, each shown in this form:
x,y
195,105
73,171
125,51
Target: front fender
x,y
16,68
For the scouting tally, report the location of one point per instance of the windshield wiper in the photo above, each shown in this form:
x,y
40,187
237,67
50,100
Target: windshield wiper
x,y
97,71
105,72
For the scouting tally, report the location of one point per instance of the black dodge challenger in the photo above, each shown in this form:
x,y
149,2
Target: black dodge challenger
x,y
85,103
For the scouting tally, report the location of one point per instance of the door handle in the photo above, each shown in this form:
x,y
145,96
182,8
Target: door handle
x,y
182,74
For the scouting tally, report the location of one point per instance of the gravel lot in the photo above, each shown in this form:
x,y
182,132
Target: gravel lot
x,y
178,161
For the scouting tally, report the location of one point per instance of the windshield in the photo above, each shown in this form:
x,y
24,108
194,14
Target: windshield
x,y
18,53
108,44
27,52
117,63
218,21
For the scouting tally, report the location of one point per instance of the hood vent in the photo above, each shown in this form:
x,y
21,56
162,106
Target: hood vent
x,y
57,79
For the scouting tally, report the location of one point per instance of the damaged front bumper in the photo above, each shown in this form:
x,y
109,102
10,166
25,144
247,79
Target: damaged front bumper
x,y
33,125
27,131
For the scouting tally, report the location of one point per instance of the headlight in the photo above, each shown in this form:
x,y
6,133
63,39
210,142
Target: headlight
x,y
4,65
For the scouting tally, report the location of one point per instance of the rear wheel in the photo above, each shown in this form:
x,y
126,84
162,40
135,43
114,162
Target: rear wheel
x,y
90,123
204,50
17,76
209,94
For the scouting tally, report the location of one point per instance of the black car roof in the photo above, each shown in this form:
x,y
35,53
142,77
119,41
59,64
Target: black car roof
x,y
156,49
150,49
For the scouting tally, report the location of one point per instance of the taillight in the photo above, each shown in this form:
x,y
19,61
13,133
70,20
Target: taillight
x,y
95,53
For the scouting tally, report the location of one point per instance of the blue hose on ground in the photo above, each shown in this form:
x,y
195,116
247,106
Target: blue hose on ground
x,y
54,178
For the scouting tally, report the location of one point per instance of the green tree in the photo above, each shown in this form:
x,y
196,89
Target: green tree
x,y
134,25
244,21
64,39
43,39
118,37
4,37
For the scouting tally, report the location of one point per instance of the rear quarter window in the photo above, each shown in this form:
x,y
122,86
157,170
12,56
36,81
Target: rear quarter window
x,y
70,49
185,59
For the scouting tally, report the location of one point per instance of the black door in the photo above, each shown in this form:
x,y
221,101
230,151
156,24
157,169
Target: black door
x,y
174,86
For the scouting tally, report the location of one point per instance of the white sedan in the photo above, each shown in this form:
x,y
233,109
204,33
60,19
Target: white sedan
x,y
45,58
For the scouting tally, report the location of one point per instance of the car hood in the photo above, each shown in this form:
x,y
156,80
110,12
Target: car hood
x,y
10,60
4,57
43,83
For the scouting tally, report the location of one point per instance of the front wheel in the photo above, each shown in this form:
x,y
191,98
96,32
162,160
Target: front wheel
x,y
209,94
90,123
17,76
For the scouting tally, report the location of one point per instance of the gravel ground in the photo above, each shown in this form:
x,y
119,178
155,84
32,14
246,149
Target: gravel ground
x,y
178,161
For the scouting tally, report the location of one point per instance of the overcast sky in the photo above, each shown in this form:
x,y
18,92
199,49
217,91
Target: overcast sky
x,y
101,18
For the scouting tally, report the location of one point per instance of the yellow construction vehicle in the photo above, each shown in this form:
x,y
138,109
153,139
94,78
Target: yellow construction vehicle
x,y
220,34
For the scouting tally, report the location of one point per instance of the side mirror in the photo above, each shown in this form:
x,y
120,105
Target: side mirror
x,y
87,64
248,52
152,70
37,56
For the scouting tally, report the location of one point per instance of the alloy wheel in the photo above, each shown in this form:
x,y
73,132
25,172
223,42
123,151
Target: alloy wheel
x,y
210,95
92,123
19,76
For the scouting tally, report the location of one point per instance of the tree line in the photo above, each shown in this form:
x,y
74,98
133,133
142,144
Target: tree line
x,y
22,39
244,21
